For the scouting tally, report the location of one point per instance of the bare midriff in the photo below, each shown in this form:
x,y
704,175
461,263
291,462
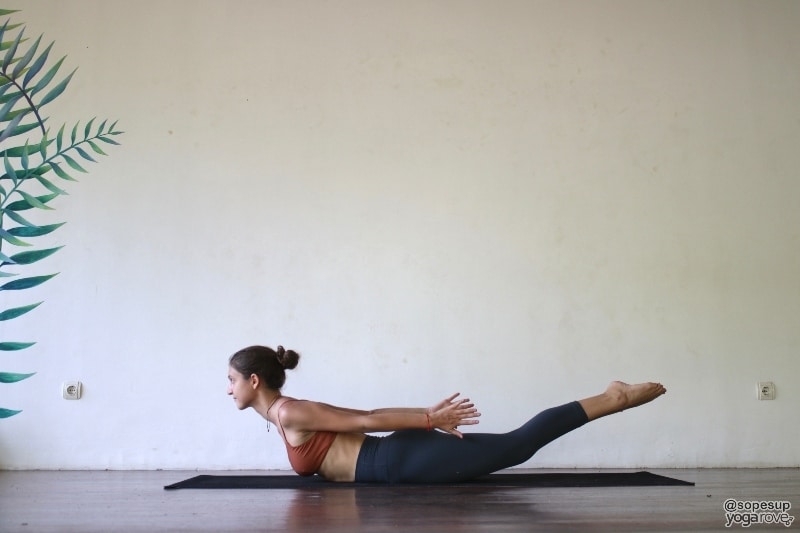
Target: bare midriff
x,y
340,462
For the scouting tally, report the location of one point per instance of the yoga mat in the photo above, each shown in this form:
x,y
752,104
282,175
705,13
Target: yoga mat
x,y
578,479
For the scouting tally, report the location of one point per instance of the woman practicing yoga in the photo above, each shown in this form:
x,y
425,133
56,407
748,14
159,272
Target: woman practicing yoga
x,y
331,441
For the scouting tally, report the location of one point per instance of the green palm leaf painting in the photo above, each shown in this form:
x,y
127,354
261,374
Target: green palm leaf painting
x,y
35,163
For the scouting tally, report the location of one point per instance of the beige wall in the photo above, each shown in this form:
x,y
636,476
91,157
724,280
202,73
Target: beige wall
x,y
520,201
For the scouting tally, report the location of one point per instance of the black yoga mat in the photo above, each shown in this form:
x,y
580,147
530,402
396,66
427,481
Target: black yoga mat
x,y
577,479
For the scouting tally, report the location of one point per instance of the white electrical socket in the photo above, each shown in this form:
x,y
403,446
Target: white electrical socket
x,y
765,390
72,390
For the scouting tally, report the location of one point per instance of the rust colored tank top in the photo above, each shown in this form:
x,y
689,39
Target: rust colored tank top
x,y
307,458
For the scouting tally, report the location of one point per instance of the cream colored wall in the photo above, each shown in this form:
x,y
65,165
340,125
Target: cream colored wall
x,y
520,201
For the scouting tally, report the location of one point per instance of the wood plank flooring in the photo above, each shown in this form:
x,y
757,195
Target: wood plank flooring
x,y
134,501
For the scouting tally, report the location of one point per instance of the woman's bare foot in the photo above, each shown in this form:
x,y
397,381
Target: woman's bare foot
x,y
635,395
620,396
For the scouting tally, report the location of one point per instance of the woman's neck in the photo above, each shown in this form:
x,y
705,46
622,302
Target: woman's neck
x,y
265,403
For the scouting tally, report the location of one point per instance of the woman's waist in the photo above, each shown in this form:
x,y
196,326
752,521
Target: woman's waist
x,y
340,461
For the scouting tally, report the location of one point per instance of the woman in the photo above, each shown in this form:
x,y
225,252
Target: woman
x,y
330,441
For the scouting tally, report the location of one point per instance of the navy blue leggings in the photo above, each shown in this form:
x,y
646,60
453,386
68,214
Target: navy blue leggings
x,y
419,456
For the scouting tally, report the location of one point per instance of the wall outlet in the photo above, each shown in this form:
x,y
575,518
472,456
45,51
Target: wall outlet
x,y
765,390
72,390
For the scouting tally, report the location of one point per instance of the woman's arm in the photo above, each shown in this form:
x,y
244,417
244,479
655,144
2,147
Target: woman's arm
x,y
314,416
422,410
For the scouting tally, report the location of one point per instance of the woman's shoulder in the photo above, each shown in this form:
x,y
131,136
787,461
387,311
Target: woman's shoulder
x,y
298,414
288,406
285,401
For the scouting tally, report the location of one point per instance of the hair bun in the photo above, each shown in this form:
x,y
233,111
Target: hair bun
x,y
288,359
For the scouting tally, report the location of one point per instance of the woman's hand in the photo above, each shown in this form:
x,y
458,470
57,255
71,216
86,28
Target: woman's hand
x,y
450,413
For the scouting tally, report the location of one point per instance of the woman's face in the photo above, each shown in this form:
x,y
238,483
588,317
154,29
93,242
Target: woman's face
x,y
241,388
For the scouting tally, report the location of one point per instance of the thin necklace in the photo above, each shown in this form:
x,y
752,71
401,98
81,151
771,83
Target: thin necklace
x,y
270,407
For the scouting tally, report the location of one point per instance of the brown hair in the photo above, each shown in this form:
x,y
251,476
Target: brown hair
x,y
268,364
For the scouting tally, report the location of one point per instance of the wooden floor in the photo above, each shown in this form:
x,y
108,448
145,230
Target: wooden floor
x,y
65,501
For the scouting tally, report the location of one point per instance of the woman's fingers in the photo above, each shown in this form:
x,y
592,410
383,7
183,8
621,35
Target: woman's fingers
x,y
444,404
456,412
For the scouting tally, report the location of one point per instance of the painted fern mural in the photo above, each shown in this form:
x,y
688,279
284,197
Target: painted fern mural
x,y
36,163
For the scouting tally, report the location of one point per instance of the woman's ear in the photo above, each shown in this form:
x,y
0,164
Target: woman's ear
x,y
255,381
